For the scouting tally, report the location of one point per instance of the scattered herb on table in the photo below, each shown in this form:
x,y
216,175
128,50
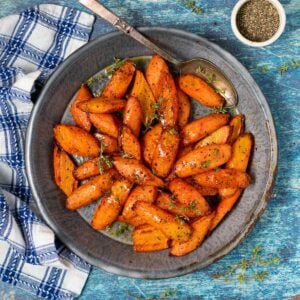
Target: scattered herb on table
x,y
283,68
191,4
258,20
249,269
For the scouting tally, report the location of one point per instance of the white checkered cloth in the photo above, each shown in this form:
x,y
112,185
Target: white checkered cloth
x,y
32,45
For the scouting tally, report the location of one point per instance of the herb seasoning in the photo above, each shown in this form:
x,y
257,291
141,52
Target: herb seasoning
x,y
258,20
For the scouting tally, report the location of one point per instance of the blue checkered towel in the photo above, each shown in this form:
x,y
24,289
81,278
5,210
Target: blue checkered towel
x,y
32,45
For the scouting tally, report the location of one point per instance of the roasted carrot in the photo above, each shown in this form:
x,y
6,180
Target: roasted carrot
x,y
166,222
202,159
184,108
165,153
241,150
224,207
106,123
80,117
150,141
187,195
120,81
129,143
110,144
148,238
63,171
101,105
223,178
143,93
198,129
140,193
201,91
133,115
171,204
87,169
136,172
91,190
75,140
110,206
238,124
200,229
155,74
220,136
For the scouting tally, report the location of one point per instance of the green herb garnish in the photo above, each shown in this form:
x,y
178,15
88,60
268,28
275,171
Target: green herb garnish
x,y
283,68
200,69
117,63
191,4
205,164
220,110
168,293
216,151
103,160
220,91
211,77
173,131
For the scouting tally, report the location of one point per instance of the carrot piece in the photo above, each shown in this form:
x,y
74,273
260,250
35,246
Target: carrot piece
x,y
150,141
167,202
120,81
220,136
130,144
134,221
202,159
206,191
91,190
136,172
110,143
140,193
106,123
143,93
238,124
80,117
168,102
224,207
183,150
165,153
75,140
63,171
163,221
87,169
223,178
201,91
241,151
186,194
110,206
148,238
101,105
200,230
133,115
184,108
155,74
198,129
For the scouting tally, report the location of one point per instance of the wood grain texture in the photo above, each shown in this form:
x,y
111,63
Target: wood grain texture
x,y
277,231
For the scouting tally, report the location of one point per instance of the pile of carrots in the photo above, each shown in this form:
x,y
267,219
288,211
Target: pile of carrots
x,y
153,167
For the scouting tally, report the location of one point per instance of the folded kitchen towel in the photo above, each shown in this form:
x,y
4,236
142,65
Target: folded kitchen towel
x,y
32,45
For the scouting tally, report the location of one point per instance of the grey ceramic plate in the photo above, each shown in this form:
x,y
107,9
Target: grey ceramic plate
x,y
99,249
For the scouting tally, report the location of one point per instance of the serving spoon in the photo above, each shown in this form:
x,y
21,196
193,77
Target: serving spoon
x,y
198,66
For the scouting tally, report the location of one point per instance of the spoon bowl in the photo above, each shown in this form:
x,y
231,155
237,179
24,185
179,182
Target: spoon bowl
x,y
197,66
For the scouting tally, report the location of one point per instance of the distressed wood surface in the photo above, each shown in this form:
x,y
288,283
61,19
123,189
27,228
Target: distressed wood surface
x,y
277,233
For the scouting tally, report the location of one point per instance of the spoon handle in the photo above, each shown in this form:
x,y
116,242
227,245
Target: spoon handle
x,y
120,24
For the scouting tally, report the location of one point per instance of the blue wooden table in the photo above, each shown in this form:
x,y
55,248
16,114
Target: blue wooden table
x,y
266,264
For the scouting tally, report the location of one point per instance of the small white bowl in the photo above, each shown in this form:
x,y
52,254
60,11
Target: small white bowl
x,y
282,21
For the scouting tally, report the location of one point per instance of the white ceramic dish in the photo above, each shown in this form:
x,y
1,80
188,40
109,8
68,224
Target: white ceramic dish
x,y
282,21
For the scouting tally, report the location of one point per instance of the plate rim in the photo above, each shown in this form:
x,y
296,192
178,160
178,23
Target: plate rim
x,y
253,219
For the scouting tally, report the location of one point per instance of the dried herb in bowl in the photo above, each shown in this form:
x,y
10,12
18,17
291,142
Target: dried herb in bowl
x,y
258,20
